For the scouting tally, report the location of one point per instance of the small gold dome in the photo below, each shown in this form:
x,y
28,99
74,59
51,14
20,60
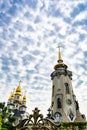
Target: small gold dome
x,y
12,96
21,100
24,98
18,90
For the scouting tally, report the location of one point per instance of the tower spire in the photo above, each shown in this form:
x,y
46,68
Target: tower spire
x,y
60,61
59,54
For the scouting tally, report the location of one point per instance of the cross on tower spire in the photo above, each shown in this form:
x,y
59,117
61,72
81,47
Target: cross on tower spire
x,y
59,54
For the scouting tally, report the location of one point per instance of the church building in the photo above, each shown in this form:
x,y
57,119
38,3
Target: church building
x,y
17,103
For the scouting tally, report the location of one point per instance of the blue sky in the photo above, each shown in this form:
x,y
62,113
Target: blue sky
x,y
30,30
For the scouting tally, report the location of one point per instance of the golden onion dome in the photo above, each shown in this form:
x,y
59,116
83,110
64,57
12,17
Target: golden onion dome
x,y
21,100
12,95
18,90
24,98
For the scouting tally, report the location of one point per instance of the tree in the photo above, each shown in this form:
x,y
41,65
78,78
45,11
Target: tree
x,y
6,118
0,122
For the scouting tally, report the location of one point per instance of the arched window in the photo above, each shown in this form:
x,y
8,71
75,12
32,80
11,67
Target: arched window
x,y
59,103
53,91
17,97
57,117
67,88
17,106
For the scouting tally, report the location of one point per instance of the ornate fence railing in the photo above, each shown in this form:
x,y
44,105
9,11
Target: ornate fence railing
x,y
37,122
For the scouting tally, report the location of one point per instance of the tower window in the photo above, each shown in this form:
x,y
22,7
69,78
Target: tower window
x,y
59,103
57,117
53,91
16,105
52,103
67,88
17,97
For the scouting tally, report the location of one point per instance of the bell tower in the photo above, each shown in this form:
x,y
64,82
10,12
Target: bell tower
x,y
17,97
64,104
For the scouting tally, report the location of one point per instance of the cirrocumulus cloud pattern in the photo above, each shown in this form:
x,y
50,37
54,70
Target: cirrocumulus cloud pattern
x,y
30,31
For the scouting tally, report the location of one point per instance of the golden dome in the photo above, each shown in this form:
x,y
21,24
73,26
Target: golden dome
x,y
18,90
24,98
12,96
21,100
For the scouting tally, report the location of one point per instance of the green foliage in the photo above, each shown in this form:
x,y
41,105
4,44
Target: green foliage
x,y
2,105
4,129
6,118
0,122
73,125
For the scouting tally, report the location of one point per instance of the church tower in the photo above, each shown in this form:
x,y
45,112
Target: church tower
x,y
23,104
10,103
64,105
17,104
17,97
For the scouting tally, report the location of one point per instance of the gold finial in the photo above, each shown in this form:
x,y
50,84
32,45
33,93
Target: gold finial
x,y
59,54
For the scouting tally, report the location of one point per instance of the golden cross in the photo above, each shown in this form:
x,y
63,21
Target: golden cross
x,y
20,82
59,47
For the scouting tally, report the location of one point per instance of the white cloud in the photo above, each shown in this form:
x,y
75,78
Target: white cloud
x,y
81,16
31,50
